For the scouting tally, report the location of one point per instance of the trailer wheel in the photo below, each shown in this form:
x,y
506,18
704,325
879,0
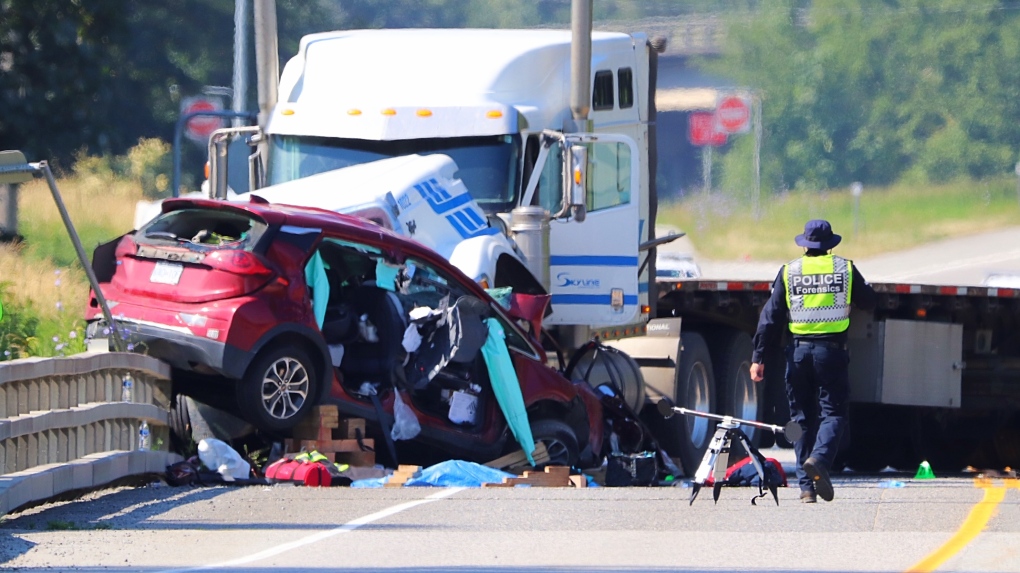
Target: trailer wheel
x,y
687,437
739,396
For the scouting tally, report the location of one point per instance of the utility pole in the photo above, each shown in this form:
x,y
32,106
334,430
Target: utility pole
x,y
267,57
240,86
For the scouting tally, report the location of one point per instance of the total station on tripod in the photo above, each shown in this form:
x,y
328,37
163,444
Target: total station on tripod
x,y
714,463
791,430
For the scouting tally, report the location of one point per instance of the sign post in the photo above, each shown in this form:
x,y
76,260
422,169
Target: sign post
x,y
702,131
856,189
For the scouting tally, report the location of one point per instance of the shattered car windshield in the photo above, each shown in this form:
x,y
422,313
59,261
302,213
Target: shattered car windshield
x,y
206,227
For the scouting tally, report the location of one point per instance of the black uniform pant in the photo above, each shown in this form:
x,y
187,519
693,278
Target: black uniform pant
x,y
818,388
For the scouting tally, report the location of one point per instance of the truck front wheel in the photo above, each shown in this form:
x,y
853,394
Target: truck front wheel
x,y
687,437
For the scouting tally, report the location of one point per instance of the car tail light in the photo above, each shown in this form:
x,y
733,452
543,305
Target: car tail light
x,y
237,262
126,247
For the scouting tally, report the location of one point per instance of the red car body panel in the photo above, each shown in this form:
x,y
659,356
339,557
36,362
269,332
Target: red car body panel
x,y
234,327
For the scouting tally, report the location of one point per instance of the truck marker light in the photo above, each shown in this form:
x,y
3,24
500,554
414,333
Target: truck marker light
x,y
424,113
354,111
922,313
645,309
287,112
494,114
389,111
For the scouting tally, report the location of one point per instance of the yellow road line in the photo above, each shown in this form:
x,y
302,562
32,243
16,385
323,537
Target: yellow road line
x,y
972,526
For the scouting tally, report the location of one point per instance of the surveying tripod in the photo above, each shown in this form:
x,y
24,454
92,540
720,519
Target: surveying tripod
x,y
717,456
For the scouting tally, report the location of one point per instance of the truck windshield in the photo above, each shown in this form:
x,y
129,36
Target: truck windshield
x,y
487,165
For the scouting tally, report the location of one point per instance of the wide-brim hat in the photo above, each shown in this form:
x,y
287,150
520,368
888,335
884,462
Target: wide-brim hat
x,y
818,235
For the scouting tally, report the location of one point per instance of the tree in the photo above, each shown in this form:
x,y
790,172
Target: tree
x,y
873,91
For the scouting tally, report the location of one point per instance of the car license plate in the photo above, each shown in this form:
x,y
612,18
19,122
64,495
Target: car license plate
x,y
166,273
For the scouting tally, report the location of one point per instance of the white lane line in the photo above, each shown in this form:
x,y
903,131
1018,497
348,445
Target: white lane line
x,y
345,528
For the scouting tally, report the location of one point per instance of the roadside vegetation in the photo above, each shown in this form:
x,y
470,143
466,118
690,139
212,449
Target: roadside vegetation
x,y
723,226
42,286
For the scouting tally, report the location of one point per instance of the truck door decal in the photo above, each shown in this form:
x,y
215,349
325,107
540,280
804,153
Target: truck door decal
x,y
593,260
568,279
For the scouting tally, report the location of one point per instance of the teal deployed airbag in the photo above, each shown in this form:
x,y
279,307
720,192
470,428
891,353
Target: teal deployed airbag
x,y
506,387
315,277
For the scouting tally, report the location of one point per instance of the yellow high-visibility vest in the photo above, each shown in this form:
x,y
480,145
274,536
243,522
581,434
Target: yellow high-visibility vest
x,y
818,293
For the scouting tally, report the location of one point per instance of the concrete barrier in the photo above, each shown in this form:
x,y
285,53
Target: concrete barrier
x,y
67,424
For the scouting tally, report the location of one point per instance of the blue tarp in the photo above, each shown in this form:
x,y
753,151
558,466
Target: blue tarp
x,y
506,387
452,473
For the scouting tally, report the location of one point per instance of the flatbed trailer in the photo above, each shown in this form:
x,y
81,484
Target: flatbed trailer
x,y
934,371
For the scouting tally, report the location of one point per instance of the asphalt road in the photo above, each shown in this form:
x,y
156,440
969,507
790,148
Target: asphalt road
x,y
946,524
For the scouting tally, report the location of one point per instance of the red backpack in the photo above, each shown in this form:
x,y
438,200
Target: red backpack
x,y
306,468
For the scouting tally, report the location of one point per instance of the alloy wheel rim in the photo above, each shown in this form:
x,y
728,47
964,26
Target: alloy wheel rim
x,y
284,388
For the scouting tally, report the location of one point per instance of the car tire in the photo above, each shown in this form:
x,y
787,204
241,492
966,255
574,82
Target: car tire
x,y
278,389
687,437
181,438
560,442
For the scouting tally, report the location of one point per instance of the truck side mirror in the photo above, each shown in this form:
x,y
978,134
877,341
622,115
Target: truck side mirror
x,y
577,171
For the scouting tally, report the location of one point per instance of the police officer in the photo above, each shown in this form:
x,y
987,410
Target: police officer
x,y
811,297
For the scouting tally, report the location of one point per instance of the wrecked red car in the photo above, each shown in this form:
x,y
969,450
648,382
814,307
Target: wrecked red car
x,y
266,310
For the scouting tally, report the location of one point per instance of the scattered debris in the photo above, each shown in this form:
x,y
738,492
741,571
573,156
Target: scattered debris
x,y
553,476
342,439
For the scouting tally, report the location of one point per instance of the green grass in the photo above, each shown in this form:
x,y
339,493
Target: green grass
x,y
888,219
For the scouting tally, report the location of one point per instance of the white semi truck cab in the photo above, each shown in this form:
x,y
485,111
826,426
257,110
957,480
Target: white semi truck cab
x,y
495,102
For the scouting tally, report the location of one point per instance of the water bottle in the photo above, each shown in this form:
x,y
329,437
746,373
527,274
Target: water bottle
x,y
125,388
143,436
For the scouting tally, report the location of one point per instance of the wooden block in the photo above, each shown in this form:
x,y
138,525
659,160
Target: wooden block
x,y
518,459
578,481
326,410
539,479
558,471
401,479
356,459
406,469
317,433
347,427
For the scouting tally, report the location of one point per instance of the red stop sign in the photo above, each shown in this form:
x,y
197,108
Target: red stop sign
x,y
201,127
733,115
701,130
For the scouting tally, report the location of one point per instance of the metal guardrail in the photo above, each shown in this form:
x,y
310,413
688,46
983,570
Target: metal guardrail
x,y
65,426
